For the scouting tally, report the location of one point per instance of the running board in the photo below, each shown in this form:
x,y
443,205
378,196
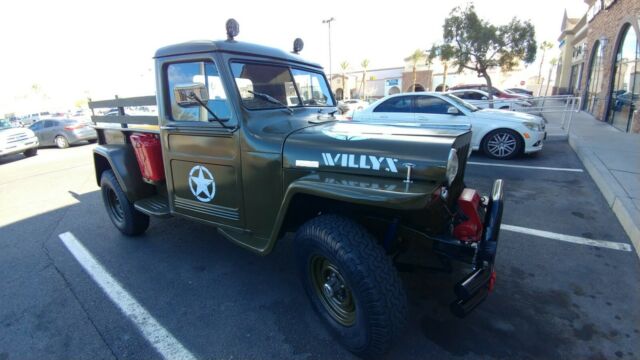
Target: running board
x,y
157,206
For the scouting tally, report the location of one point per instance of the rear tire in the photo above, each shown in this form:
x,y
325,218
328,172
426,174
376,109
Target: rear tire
x,y
61,142
351,284
502,144
121,211
31,152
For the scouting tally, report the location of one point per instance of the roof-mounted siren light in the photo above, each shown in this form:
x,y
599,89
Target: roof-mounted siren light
x,y
233,29
298,44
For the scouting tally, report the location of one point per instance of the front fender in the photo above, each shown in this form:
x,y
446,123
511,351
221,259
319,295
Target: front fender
x,y
122,160
353,189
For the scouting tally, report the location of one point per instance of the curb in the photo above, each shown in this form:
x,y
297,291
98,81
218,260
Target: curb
x,y
614,194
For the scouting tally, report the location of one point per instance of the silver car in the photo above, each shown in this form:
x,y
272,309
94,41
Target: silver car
x,y
63,132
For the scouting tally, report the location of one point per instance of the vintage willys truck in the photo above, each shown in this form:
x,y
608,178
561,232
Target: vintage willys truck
x,y
247,140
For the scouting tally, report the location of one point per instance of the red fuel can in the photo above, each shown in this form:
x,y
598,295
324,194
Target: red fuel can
x,y
149,154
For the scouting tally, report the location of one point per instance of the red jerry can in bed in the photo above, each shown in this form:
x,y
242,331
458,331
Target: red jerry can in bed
x,y
149,155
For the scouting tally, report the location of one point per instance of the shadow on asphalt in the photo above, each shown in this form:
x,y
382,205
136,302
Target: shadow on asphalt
x,y
223,301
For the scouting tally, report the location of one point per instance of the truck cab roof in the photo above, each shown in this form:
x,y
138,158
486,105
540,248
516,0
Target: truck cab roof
x,y
237,47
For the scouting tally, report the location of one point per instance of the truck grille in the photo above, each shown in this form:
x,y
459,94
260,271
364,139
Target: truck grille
x,y
17,138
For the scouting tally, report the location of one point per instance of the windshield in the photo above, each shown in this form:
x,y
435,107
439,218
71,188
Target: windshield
x,y
461,103
263,86
4,124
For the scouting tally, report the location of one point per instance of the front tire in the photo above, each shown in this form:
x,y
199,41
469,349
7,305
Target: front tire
x,y
61,142
502,144
351,284
121,211
31,152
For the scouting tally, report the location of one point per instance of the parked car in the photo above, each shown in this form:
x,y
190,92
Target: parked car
x,y
17,140
520,91
63,132
350,105
500,134
34,117
480,99
495,91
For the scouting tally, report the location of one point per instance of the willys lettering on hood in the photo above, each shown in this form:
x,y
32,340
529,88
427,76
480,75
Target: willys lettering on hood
x,y
373,149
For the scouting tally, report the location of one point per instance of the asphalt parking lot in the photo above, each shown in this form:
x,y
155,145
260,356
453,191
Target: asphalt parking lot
x,y
568,281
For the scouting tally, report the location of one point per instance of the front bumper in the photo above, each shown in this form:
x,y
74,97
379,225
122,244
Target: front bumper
x,y
474,288
535,142
18,147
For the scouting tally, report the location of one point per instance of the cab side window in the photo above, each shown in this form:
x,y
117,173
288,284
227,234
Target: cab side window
x,y
431,105
399,104
200,72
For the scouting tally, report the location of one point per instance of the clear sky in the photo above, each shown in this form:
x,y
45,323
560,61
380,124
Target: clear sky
x,y
72,49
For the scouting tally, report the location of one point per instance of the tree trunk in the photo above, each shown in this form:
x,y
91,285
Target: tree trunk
x,y
364,85
444,77
413,87
540,72
490,88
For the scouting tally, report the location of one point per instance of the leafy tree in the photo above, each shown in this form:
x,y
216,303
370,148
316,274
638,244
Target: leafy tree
x,y
364,64
477,45
415,58
344,66
445,54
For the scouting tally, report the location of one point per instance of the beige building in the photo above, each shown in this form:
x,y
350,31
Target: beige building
x,y
601,61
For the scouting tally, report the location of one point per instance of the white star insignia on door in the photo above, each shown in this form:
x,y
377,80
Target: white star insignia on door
x,y
202,183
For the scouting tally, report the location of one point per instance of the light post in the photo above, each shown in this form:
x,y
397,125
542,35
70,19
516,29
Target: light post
x,y
328,22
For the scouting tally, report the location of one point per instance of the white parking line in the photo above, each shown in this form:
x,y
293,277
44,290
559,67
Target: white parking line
x,y
166,345
526,167
568,238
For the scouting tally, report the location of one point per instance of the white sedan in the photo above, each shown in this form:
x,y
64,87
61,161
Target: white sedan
x,y
500,134
480,99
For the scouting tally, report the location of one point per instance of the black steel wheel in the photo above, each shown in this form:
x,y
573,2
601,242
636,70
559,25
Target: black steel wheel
x,y
502,144
121,211
351,283
31,152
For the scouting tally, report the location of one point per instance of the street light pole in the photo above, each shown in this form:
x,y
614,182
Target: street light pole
x,y
328,22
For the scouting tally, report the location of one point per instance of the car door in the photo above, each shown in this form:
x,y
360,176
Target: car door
x,y
432,109
48,132
394,109
201,156
38,129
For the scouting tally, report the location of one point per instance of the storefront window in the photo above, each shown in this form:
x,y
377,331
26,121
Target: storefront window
x,y
595,79
625,84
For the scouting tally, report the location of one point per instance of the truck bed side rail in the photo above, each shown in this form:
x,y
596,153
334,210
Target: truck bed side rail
x,y
121,117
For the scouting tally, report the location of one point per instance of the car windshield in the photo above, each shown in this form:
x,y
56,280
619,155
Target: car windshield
x,y
263,86
4,124
461,103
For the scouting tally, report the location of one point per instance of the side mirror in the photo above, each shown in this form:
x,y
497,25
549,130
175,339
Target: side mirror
x,y
452,110
188,94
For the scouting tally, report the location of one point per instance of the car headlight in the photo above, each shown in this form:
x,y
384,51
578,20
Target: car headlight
x,y
533,126
452,166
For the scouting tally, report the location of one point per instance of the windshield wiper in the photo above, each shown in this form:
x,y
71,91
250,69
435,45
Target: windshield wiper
x,y
195,97
271,99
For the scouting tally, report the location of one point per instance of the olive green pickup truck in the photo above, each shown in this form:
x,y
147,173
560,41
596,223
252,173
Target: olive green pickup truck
x,y
246,139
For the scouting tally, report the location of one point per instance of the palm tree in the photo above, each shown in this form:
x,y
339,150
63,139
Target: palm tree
x,y
364,64
344,66
415,58
544,47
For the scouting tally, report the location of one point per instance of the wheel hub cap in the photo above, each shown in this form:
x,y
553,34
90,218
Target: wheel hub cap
x,y
334,294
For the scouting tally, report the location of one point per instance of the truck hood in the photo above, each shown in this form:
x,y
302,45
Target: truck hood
x,y
507,115
375,149
11,133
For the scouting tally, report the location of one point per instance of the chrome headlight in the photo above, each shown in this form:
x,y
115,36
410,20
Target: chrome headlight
x,y
533,126
452,166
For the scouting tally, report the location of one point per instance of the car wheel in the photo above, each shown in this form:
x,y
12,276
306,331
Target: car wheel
x,y
351,284
121,211
61,142
31,152
502,144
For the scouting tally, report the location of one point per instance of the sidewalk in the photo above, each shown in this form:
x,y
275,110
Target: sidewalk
x,y
612,158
